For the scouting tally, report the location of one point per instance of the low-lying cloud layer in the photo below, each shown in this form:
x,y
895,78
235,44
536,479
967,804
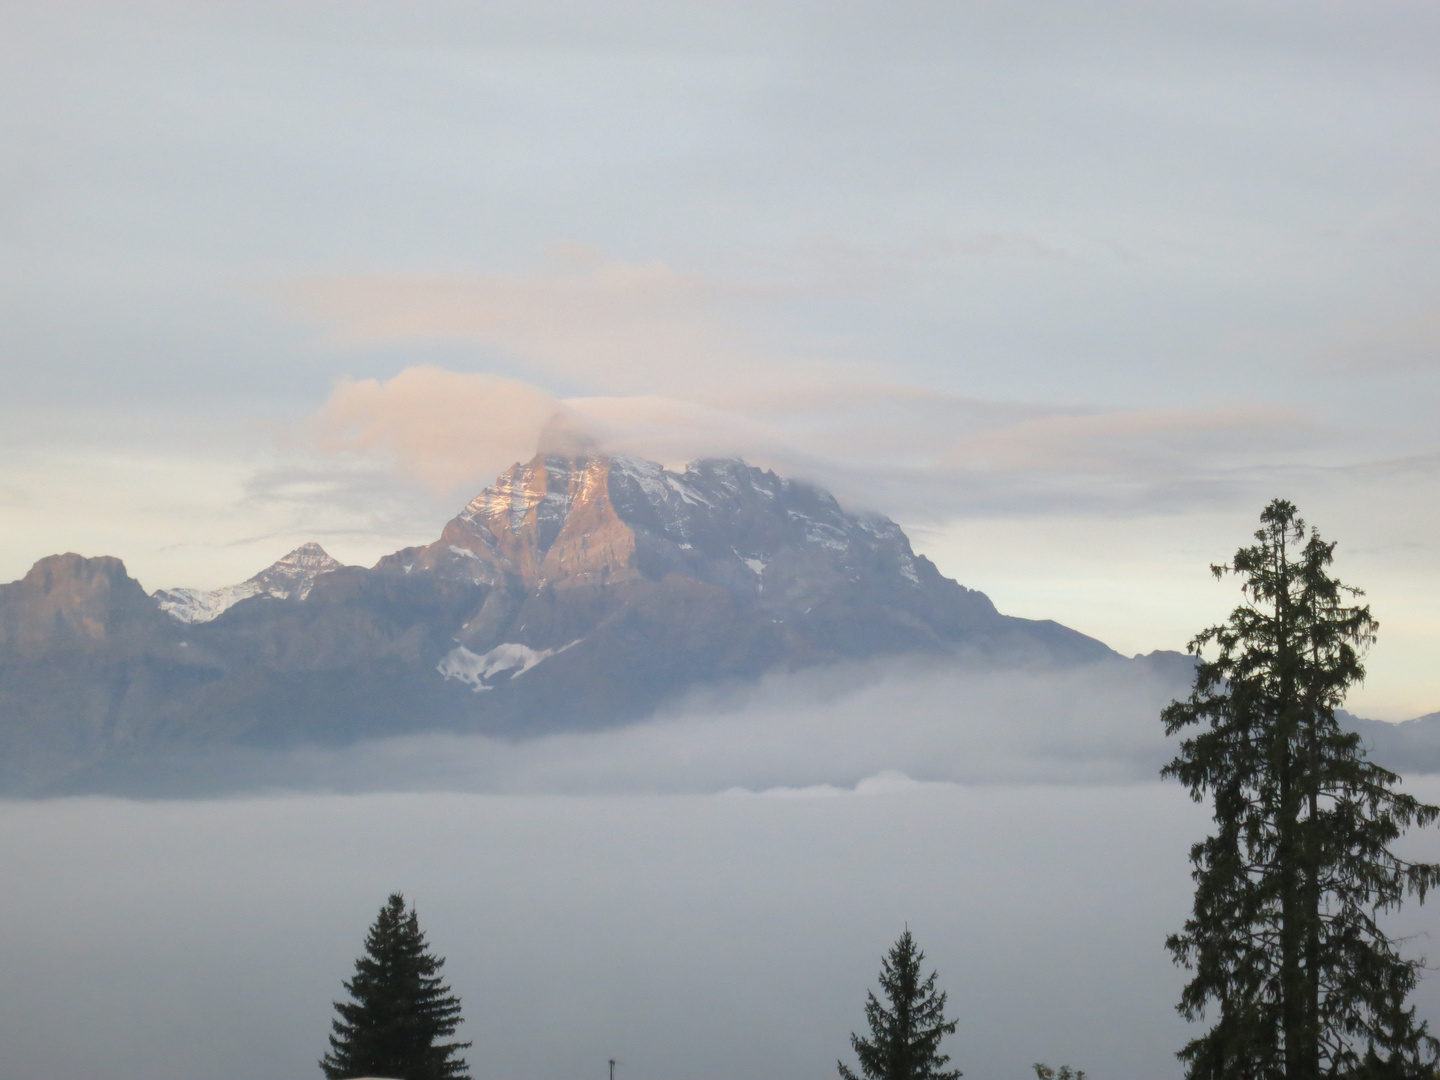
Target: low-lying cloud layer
x,y
820,732
706,937
705,895
816,732
702,936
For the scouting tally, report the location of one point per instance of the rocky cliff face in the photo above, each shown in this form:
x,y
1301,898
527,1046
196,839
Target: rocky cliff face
x,y
77,641
68,602
548,521
576,591
586,534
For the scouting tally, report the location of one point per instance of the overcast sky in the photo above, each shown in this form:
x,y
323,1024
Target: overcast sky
x,y
1068,290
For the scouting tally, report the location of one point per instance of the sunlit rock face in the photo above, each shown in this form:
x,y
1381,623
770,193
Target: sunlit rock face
x,y
550,520
578,590
560,544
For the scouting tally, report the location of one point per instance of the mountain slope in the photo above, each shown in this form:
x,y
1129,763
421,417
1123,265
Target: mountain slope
x,y
576,591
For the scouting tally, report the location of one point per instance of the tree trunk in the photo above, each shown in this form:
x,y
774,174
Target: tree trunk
x,y
1312,938
1300,915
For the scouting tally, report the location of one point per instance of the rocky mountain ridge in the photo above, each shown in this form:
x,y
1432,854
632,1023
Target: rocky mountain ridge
x,y
577,591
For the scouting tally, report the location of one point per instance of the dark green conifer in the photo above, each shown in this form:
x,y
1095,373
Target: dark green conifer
x,y
905,1034
399,1010
1285,938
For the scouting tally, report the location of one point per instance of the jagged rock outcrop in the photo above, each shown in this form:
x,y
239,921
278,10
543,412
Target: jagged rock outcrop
x,y
68,602
578,590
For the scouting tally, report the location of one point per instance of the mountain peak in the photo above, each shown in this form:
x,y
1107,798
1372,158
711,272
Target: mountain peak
x,y
69,571
291,577
600,527
70,598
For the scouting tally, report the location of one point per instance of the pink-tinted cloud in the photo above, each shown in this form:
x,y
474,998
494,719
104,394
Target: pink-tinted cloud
x,y
883,446
614,327
446,430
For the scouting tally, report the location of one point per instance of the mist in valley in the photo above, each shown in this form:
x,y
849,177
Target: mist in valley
x,y
821,728
706,895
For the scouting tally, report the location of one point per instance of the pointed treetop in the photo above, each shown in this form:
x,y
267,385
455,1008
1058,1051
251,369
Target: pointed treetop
x,y
906,1030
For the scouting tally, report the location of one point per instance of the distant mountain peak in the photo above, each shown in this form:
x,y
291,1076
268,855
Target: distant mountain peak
x,y
290,577
587,518
74,600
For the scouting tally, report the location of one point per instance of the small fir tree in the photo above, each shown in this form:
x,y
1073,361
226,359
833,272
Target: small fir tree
x,y
905,1033
1285,937
400,1008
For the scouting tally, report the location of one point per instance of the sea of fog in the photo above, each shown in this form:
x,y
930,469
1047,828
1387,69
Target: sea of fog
x,y
830,726
706,896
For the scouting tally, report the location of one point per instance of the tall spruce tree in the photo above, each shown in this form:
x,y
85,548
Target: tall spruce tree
x,y
1285,936
905,1034
399,1010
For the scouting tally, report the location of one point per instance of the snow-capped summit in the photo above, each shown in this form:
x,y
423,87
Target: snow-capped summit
x,y
723,568
592,519
288,578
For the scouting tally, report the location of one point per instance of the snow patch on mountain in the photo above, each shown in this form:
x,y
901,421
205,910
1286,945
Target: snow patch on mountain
x,y
468,667
685,491
202,605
